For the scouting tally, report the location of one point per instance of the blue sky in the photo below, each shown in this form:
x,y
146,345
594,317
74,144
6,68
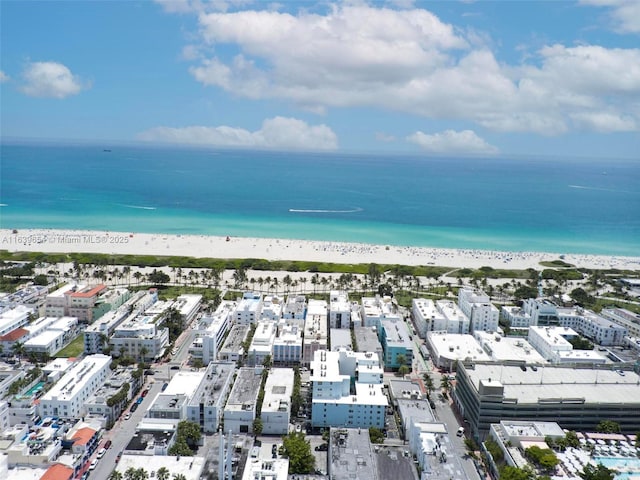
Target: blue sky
x,y
438,78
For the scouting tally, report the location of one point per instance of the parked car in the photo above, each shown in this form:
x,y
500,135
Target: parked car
x,y
133,408
107,444
101,452
164,386
127,416
118,457
145,392
322,447
94,464
85,475
139,401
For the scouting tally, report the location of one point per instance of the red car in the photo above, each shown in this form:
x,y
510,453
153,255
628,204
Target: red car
x,y
144,392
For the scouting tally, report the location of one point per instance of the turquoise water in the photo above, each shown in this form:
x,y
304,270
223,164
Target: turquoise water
x,y
629,465
34,389
563,206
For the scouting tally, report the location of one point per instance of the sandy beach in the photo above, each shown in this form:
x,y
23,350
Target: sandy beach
x,y
65,241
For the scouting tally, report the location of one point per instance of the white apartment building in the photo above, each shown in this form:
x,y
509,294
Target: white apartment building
x,y
249,309
14,318
295,309
103,328
552,343
106,325
55,337
449,348
516,316
232,349
66,398
58,301
596,328
451,319
335,402
206,405
624,318
262,342
188,305
315,330
211,331
543,312
240,410
508,349
477,305
140,332
287,346
276,406
375,309
272,308
339,309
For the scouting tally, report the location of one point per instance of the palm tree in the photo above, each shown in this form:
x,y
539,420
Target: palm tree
x,y
143,352
137,275
179,476
163,473
115,475
18,350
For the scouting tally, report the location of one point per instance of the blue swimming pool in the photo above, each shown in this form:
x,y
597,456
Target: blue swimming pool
x,y
627,466
38,386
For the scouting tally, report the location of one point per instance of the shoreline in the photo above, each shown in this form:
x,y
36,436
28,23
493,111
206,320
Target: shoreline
x,y
207,246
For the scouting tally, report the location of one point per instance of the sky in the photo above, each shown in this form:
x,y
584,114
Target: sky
x,y
485,78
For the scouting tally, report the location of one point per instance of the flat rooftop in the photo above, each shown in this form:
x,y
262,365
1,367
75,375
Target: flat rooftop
x,y
235,338
352,455
71,383
190,467
340,338
553,382
246,387
456,346
501,348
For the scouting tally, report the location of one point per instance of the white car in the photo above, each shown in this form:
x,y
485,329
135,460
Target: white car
x,y
127,416
94,464
101,452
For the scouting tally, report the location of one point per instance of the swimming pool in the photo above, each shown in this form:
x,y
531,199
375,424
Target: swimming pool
x,y
38,386
627,466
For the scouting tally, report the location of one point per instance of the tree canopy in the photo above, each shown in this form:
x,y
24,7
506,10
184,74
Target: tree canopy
x,y
599,472
298,450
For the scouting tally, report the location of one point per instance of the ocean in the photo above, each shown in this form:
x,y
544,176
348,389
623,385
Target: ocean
x,y
513,204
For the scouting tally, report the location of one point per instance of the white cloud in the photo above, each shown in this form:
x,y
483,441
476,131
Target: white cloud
x,y
277,132
50,79
604,122
410,61
625,14
385,137
4,77
465,142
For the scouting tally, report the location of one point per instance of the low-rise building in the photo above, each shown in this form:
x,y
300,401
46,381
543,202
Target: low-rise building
x,y
367,341
249,309
508,349
206,405
287,346
544,313
516,316
272,308
477,306
66,399
315,330
352,455
596,328
14,318
340,338
56,336
240,411
375,309
396,343
101,403
141,335
276,406
347,390
339,309
625,318
232,350
553,344
211,331
262,342
449,349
